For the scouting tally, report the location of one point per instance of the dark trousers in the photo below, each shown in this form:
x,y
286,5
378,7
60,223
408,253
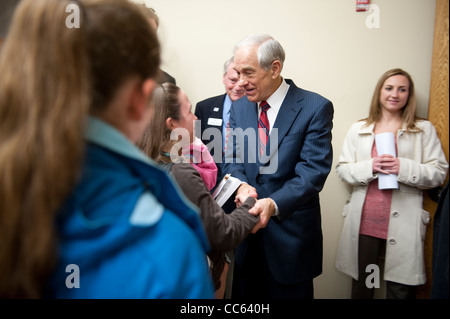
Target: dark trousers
x,y
372,250
254,280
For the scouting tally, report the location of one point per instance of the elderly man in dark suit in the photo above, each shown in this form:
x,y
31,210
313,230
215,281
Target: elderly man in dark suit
x,y
214,112
281,148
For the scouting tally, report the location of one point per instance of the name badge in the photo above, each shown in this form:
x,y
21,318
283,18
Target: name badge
x,y
214,122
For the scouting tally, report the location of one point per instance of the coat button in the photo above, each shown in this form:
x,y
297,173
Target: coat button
x,y
392,241
395,214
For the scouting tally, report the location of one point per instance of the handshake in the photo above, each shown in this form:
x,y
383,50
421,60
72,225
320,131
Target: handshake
x,y
264,207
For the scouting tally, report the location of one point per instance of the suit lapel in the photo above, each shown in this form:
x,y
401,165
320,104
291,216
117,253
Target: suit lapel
x,y
251,115
245,122
251,122
289,110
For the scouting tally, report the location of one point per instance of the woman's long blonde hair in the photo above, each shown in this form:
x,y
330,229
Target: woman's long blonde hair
x,y
51,77
409,110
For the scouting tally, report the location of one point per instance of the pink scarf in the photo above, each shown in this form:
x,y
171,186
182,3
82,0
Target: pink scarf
x,y
202,161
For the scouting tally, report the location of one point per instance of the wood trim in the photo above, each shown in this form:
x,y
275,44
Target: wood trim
x,y
438,114
438,108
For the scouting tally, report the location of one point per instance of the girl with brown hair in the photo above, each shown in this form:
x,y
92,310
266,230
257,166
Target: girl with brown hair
x,y
173,117
75,193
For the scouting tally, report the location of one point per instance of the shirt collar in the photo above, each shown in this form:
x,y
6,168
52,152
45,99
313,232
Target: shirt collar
x,y
103,134
226,105
277,97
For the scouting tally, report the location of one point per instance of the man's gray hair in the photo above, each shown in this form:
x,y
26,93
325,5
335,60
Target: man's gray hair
x,y
269,49
227,64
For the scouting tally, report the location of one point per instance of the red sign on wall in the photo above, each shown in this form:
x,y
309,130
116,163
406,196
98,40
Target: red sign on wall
x,y
362,5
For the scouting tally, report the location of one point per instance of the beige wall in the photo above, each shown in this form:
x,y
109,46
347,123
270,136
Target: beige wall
x,y
329,49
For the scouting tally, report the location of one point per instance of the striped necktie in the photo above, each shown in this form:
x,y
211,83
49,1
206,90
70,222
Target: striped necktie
x,y
263,127
227,136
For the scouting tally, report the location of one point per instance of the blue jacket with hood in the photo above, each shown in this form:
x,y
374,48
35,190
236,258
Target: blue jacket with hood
x,y
127,231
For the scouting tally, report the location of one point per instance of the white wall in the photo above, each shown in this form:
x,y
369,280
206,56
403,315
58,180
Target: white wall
x,y
329,49
6,10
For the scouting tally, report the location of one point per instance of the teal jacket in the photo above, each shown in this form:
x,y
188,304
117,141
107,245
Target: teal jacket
x,y
127,231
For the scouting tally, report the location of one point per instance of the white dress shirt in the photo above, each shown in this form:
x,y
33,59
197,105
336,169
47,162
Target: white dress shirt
x,y
275,101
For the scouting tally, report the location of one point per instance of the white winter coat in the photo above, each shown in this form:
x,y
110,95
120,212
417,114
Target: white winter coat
x,y
422,166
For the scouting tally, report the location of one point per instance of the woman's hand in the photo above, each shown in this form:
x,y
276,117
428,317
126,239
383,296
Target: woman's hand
x,y
386,164
243,192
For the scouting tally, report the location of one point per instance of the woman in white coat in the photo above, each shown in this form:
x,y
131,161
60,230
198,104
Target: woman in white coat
x,y
388,225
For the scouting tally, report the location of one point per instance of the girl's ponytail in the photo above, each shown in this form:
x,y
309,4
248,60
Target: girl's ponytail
x,y
52,75
44,102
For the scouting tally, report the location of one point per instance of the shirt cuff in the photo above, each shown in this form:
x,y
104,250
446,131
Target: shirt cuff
x,y
277,212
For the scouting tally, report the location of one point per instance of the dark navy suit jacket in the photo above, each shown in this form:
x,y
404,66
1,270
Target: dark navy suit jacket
x,y
299,162
211,108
